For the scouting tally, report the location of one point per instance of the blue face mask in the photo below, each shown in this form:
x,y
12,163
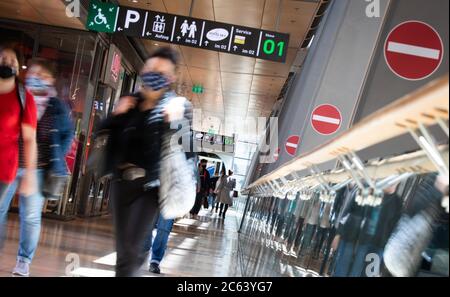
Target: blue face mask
x,y
37,85
155,81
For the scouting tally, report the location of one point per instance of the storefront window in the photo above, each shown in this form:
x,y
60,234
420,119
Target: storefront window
x,y
73,54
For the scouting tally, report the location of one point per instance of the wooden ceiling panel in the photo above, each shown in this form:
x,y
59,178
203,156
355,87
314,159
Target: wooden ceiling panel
x,y
203,9
267,85
237,64
20,10
181,7
295,19
236,82
270,15
200,58
240,12
156,5
209,79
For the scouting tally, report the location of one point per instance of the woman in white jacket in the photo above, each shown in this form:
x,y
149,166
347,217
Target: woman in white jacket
x,y
225,185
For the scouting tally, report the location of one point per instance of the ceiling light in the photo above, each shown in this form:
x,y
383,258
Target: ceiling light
x,y
24,67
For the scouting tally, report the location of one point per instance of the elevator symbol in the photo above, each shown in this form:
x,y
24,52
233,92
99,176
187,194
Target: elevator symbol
x,y
159,25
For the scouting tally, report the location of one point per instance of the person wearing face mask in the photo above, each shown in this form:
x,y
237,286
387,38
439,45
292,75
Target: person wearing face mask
x,y
17,121
135,138
54,136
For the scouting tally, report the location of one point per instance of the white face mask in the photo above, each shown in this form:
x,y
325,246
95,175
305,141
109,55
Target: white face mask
x,y
37,85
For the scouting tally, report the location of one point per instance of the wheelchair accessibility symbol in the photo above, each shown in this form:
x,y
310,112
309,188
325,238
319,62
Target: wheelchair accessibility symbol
x,y
100,18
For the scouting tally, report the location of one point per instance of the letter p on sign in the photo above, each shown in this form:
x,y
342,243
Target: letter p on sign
x,y
132,17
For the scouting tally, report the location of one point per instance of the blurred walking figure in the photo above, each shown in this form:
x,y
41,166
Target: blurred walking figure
x,y
136,130
54,136
225,186
203,189
18,122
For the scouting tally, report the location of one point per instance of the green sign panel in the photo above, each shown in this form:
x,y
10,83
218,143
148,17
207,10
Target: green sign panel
x,y
102,17
197,89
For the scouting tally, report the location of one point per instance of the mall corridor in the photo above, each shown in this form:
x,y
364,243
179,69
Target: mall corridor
x,y
319,130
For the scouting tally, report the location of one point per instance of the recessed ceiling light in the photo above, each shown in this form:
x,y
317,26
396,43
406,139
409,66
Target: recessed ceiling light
x,y
24,67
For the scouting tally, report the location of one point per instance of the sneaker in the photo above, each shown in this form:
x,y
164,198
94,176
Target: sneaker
x,y
154,268
22,269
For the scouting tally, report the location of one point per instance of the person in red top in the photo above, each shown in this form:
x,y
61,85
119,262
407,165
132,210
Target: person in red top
x,y
15,121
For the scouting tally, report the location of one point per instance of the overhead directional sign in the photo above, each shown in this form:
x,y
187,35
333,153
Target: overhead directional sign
x,y
182,30
414,50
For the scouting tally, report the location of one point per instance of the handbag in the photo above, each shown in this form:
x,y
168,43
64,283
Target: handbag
x,y
54,186
99,153
177,189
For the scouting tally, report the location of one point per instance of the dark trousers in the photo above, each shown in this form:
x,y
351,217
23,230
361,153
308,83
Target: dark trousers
x,y
222,210
199,199
135,212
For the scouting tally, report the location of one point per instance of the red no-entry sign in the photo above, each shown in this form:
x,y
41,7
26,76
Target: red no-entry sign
x,y
292,144
326,119
413,50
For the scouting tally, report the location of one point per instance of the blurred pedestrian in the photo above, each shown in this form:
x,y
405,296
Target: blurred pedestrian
x,y
224,189
136,129
54,136
18,120
203,188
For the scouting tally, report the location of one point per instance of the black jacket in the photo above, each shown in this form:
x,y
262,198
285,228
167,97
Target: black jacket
x,y
136,137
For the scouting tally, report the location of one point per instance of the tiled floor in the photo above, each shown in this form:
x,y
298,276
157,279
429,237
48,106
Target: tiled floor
x,y
203,247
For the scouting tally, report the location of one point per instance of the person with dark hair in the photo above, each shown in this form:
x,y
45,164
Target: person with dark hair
x,y
136,133
203,188
54,136
17,121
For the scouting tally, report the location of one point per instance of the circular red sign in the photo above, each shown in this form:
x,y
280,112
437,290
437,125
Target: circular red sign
x,y
326,119
413,50
292,144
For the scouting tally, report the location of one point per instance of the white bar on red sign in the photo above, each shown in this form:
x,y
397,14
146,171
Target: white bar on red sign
x,y
413,50
326,119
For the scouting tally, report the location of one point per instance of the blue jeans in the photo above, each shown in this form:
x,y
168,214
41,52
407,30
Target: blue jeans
x,y
159,246
351,265
211,199
344,259
30,213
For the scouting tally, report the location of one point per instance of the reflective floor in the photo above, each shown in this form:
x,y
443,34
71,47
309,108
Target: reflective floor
x,y
206,246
